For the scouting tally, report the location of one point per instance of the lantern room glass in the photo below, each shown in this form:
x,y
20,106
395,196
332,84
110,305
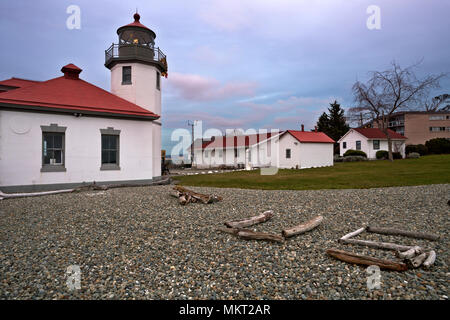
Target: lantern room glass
x,y
132,36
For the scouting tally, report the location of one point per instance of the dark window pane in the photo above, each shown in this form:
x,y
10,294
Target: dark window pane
x,y
48,157
48,137
105,142
57,141
57,156
105,158
112,157
126,74
112,142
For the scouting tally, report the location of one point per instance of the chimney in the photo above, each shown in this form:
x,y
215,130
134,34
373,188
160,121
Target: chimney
x,y
315,128
71,71
303,128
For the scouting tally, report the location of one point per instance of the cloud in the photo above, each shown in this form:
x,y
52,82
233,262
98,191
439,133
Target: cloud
x,y
198,88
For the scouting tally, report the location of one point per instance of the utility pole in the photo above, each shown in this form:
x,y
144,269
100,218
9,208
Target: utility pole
x,y
192,124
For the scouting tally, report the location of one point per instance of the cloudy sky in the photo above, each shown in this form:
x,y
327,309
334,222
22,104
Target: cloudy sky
x,y
235,64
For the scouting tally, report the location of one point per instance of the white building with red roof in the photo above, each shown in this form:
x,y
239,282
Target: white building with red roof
x,y
286,149
65,132
371,140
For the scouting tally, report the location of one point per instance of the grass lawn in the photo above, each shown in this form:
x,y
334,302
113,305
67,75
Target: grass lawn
x,y
343,175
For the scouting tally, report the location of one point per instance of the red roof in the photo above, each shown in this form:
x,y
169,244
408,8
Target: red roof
x,y
136,22
71,93
311,136
18,82
375,133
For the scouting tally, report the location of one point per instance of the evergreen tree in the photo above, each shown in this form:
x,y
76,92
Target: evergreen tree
x,y
333,124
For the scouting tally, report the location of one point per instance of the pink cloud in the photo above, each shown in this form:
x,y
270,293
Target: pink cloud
x,y
199,88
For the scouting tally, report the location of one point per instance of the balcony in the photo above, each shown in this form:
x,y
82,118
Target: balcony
x,y
399,123
125,52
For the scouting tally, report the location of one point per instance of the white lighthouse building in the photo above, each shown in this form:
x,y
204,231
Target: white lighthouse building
x,y
136,68
66,132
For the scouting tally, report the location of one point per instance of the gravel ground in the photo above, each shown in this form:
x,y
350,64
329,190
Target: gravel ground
x,y
139,243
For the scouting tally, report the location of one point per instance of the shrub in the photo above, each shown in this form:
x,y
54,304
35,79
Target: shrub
x,y
382,154
413,155
438,145
354,158
397,155
418,148
338,158
351,152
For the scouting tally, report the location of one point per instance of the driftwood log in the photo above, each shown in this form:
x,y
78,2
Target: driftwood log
x,y
186,196
252,235
411,253
430,259
263,217
418,260
366,260
354,233
376,245
396,232
303,227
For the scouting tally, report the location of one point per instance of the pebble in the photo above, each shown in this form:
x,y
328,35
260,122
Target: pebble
x,y
139,243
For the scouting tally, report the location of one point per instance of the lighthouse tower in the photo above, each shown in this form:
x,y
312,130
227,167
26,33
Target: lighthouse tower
x,y
136,69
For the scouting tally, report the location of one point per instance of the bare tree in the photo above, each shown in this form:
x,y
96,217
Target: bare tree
x,y
390,91
435,103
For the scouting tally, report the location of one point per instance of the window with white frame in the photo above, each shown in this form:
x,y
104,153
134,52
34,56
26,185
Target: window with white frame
x,y
376,144
358,145
344,145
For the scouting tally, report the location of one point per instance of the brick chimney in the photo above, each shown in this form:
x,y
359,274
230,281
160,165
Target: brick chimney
x,y
315,128
303,127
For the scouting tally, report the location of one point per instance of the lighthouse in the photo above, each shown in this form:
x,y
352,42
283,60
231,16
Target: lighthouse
x,y
137,67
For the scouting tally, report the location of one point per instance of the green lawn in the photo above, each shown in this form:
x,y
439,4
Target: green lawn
x,y
344,175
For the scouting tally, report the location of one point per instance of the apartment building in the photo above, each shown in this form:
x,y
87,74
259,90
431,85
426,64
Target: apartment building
x,y
419,126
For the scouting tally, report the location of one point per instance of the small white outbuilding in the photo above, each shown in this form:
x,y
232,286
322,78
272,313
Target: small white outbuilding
x,y
371,140
287,149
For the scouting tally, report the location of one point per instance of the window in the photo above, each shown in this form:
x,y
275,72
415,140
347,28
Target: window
x,y
110,149
344,145
440,117
53,148
376,144
158,80
126,75
236,153
437,129
249,155
358,145
288,153
220,153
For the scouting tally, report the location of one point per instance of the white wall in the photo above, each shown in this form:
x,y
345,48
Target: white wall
x,y
21,149
287,141
142,90
314,155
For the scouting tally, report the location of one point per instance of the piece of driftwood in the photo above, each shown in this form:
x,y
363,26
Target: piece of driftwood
x,y
366,260
411,253
396,232
252,235
376,245
354,233
303,227
246,222
189,195
430,259
418,260
31,194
